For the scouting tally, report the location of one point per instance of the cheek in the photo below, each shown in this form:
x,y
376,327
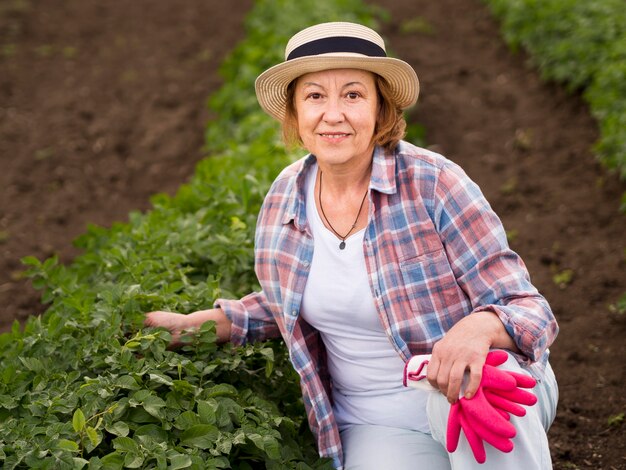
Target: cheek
x,y
370,122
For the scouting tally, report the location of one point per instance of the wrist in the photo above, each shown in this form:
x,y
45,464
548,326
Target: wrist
x,y
222,323
499,338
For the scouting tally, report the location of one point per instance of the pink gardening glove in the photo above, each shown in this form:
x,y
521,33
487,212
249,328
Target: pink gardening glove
x,y
507,400
479,419
484,418
480,422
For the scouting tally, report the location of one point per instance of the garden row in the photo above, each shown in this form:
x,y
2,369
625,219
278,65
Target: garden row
x,y
581,44
86,386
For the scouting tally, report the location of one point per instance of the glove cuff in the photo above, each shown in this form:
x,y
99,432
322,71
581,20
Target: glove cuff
x,y
415,371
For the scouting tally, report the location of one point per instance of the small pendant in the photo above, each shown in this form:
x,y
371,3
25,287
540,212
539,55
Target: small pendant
x,y
342,245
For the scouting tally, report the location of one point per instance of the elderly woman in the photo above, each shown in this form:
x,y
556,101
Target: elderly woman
x,y
370,251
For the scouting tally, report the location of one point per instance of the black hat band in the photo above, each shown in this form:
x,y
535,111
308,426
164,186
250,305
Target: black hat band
x,y
338,44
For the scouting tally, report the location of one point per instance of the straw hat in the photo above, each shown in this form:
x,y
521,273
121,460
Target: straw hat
x,y
333,46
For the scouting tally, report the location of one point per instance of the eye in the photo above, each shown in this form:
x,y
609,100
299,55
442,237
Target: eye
x,y
314,96
353,95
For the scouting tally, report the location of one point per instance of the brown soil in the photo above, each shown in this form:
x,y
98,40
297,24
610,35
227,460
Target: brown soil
x,y
102,105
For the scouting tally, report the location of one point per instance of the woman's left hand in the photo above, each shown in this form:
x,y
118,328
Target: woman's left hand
x,y
464,349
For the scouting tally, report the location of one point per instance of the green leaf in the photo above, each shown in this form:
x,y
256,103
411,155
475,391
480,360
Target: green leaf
x,y
79,463
66,444
127,382
125,444
133,460
202,436
151,432
206,412
119,428
153,405
78,420
186,420
161,379
112,461
266,443
179,461
93,436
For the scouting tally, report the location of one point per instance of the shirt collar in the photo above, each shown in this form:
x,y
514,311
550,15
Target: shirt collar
x,y
383,171
296,204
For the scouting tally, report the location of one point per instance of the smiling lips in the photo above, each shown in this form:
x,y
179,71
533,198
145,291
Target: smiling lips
x,y
333,135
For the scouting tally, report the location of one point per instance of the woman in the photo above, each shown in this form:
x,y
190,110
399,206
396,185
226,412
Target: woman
x,y
370,251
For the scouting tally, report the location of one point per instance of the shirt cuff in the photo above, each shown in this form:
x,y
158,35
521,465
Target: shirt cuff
x,y
236,313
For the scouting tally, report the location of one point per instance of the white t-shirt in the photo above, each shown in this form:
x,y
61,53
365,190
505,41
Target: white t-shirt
x,y
366,370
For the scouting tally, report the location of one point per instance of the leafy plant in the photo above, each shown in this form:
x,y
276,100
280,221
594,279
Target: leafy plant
x,y
616,420
86,386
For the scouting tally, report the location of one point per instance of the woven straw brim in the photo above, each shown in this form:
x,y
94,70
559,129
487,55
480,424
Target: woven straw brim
x,y
271,85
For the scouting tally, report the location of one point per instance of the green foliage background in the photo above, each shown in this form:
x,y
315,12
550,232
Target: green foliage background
x,y
85,386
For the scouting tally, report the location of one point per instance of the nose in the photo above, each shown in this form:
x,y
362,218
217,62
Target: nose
x,y
333,111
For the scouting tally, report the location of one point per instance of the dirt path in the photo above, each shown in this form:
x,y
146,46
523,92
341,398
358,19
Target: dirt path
x,y
102,105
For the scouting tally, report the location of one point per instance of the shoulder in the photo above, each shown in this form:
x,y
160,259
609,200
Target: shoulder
x,y
285,198
420,164
288,177
413,156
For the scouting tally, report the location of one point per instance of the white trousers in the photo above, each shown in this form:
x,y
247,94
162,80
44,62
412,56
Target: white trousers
x,y
371,447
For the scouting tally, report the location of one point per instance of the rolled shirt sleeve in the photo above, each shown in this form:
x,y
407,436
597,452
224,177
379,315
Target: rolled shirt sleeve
x,y
492,275
251,318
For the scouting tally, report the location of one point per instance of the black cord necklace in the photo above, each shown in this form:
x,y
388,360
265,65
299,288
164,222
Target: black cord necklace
x,y
342,245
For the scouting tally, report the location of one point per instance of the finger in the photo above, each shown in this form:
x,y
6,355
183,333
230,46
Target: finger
x,y
453,431
501,443
455,380
499,379
496,357
504,404
475,442
149,319
502,413
518,395
475,377
433,372
523,380
478,409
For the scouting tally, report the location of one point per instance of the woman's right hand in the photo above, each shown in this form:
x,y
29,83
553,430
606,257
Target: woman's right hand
x,y
178,324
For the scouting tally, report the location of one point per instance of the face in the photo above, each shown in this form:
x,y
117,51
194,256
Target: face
x,y
336,112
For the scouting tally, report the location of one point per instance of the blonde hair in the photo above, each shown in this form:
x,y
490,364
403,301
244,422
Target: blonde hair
x,y
390,124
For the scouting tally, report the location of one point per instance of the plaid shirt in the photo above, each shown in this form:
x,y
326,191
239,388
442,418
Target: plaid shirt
x,y
434,250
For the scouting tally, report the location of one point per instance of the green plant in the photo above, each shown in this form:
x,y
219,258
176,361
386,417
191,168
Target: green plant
x,y
86,386
616,420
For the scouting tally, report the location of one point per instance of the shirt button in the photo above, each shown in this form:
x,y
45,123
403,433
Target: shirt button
x,y
305,264
294,313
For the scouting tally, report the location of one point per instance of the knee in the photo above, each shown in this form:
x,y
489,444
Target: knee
x,y
437,410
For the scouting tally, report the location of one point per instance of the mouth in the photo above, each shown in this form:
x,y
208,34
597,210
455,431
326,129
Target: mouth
x,y
333,135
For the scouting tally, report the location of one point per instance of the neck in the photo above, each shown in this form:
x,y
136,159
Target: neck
x,y
340,181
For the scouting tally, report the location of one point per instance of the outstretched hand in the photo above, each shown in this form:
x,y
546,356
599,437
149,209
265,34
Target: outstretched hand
x,y
178,324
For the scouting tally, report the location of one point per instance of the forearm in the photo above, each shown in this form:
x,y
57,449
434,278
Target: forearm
x,y
222,327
